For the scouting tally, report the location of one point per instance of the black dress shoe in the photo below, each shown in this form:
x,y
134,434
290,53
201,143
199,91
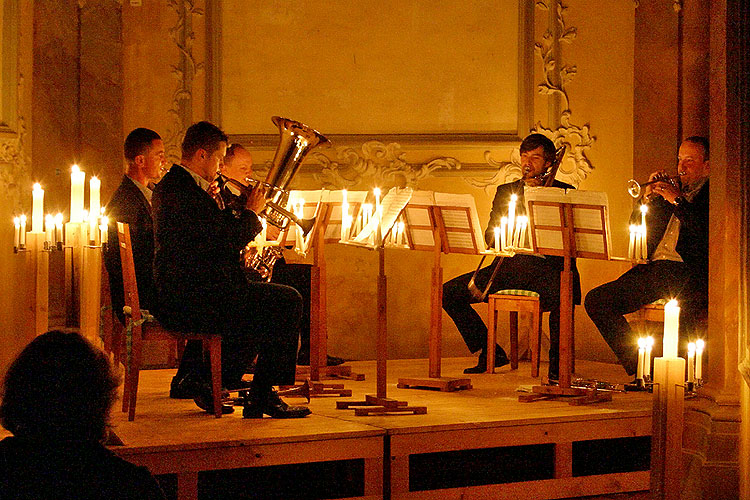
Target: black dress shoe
x,y
186,387
272,405
205,401
304,360
334,361
501,359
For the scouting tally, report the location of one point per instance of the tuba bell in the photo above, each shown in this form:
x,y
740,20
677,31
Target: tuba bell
x,y
295,142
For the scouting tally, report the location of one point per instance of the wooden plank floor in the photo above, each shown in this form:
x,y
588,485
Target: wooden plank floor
x,y
175,437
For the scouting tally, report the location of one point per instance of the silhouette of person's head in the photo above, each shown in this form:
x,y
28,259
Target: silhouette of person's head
x,y
60,387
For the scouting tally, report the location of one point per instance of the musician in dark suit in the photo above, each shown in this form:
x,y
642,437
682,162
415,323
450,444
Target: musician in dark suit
x,y
201,282
131,204
540,274
677,240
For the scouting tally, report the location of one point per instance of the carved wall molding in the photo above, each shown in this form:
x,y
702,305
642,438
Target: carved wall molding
x,y
185,72
575,166
375,162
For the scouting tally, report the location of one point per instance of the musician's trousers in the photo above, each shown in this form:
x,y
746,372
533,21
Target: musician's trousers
x,y
262,319
607,304
521,272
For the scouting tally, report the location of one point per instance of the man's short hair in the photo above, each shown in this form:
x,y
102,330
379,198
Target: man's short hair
x,y
231,151
533,141
701,141
138,141
60,387
202,135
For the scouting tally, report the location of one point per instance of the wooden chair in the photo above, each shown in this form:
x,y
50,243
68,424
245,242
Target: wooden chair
x,y
514,301
142,327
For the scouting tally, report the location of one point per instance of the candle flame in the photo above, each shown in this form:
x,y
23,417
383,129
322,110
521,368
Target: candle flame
x,y
644,209
691,347
105,220
16,221
513,197
641,343
504,220
649,341
23,218
37,187
699,345
75,168
497,230
633,228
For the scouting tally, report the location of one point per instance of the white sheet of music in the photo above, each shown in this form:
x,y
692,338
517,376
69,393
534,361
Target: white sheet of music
x,y
588,218
392,205
457,219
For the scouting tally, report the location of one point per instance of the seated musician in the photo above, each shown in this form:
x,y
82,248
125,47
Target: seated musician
x,y
677,222
540,274
131,204
238,165
201,282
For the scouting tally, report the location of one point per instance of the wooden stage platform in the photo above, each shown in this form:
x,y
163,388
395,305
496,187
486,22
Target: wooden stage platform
x,y
478,443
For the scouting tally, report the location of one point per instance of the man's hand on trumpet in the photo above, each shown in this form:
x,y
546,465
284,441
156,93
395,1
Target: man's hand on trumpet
x,y
256,200
665,189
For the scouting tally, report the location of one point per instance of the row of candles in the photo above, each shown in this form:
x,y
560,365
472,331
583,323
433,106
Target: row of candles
x,y
350,226
94,223
512,231
671,329
637,247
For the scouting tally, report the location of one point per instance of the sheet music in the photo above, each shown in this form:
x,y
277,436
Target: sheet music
x,y
454,219
392,204
588,218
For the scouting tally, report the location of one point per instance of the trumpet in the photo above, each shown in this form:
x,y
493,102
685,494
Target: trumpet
x,y
237,202
635,188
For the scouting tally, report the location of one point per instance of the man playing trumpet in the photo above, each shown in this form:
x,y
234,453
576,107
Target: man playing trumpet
x,y
540,274
201,282
677,267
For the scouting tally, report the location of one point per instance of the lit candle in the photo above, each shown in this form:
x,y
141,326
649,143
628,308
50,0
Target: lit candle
x,y
87,230
103,229
524,220
699,346
631,245
344,215
37,208
649,347
497,239
516,232
376,192
77,178
644,241
94,204
503,229
671,329
49,226
58,228
691,362
17,232
511,217
22,235
641,358
367,214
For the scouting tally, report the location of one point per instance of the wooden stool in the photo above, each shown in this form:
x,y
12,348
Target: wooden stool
x,y
514,301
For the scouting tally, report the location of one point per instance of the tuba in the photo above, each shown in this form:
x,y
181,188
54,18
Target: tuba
x,y
547,178
296,141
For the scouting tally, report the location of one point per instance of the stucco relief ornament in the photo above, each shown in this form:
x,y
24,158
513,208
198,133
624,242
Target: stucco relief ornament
x,y
384,164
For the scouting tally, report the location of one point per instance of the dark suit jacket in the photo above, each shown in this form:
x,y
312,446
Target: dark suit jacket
x,y
692,242
130,206
197,267
546,266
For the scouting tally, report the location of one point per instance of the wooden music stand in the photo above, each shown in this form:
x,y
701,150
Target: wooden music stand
x,y
380,403
419,224
570,225
318,317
